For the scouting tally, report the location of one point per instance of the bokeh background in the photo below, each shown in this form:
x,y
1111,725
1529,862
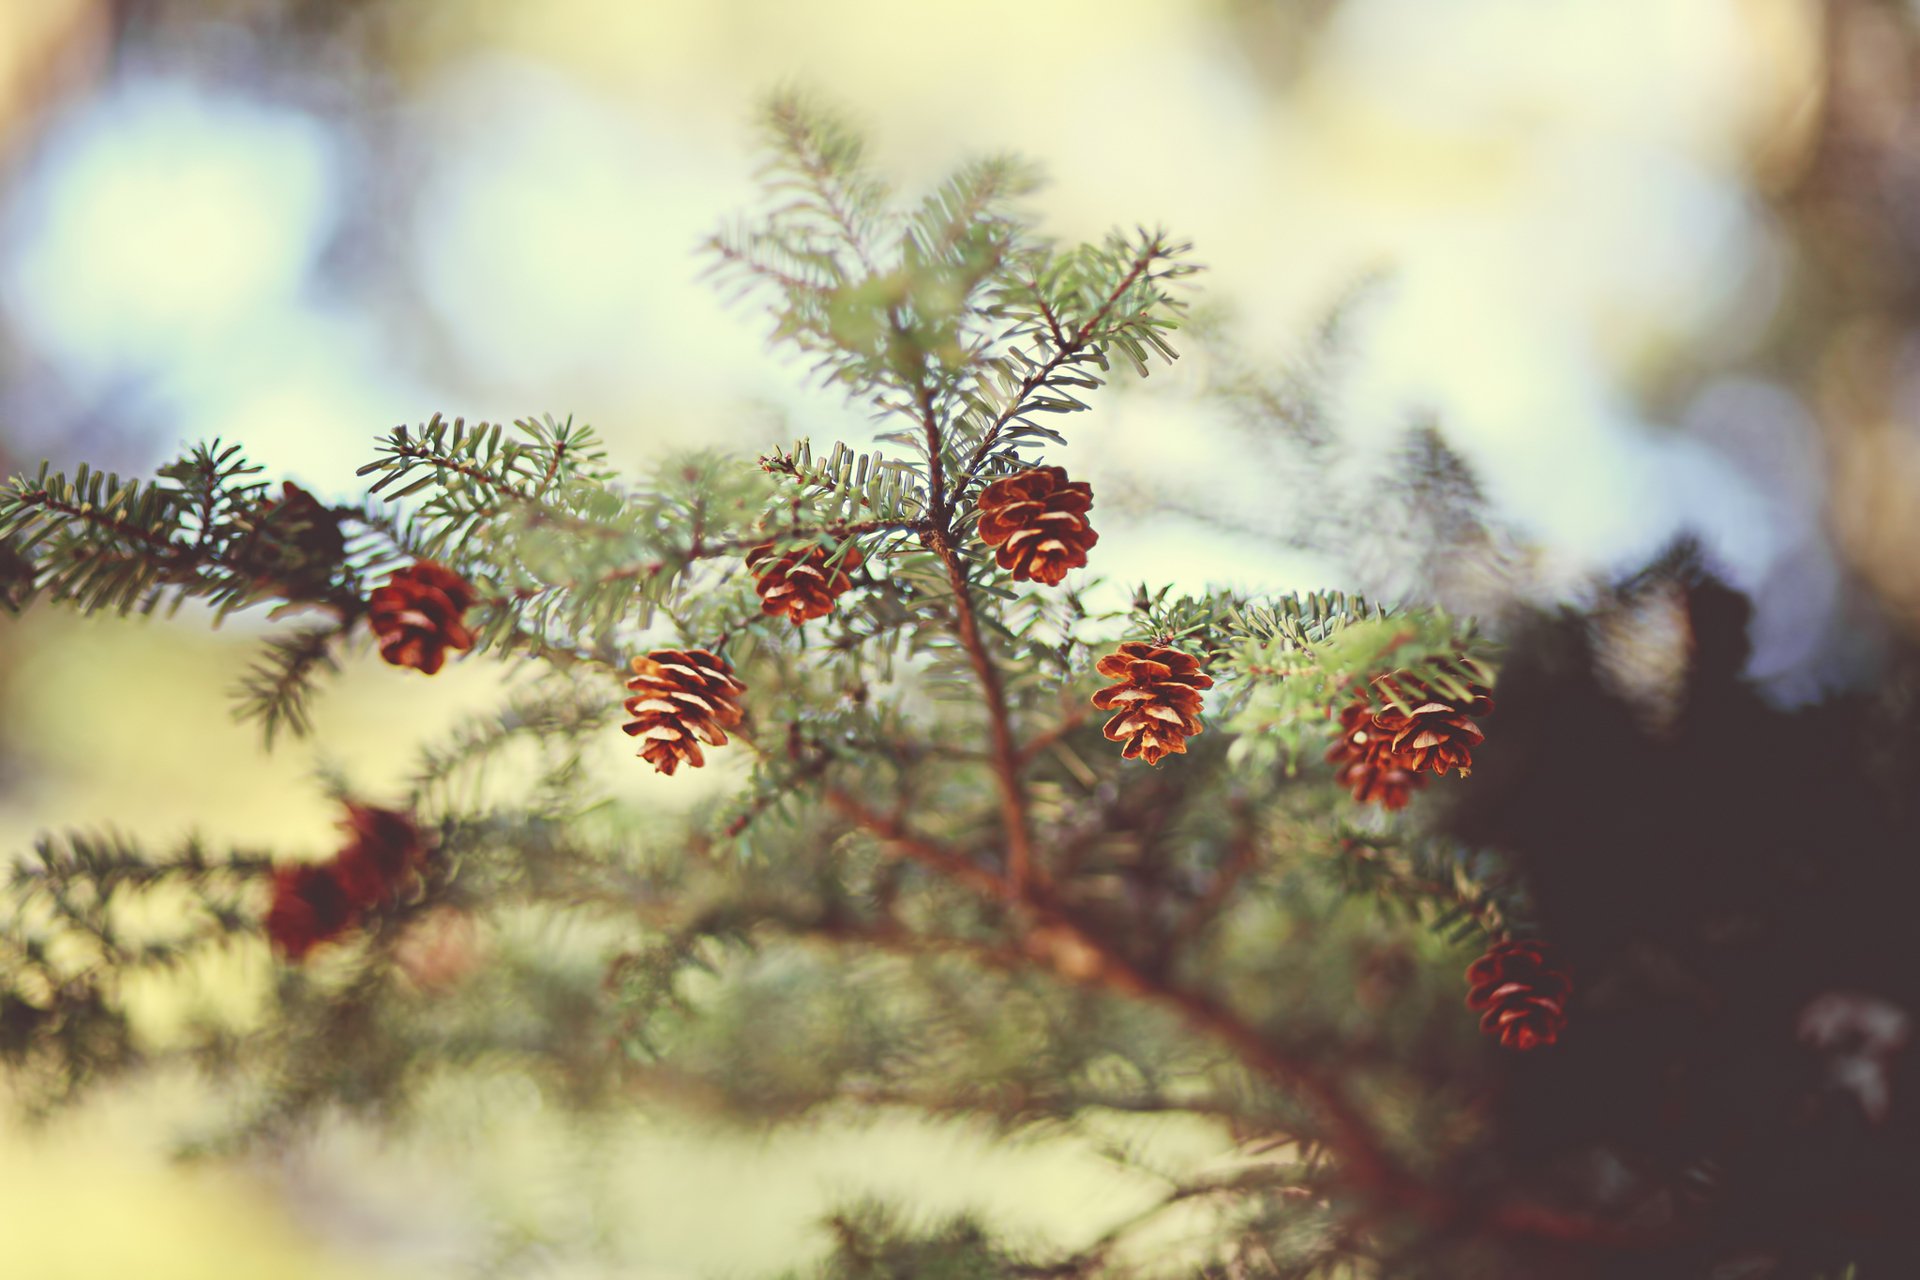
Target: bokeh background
x,y
1646,263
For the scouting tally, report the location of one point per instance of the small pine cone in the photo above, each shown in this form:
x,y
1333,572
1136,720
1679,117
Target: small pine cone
x,y
417,616
1366,763
1434,734
1523,992
800,583
310,906
683,697
1157,700
296,544
1038,520
384,853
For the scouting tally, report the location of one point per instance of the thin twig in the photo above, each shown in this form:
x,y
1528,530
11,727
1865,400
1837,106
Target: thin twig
x,y
1052,364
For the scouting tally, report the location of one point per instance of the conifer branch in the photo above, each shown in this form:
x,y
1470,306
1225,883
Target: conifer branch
x,y
276,689
1006,753
1067,349
934,857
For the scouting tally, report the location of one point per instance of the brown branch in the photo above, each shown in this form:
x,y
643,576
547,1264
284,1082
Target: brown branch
x,y
1065,728
1061,944
1365,1163
937,536
928,854
1006,755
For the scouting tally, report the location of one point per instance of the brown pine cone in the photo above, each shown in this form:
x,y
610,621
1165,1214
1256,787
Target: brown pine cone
x,y
1157,699
382,855
296,544
417,616
1038,520
1367,764
1523,992
800,583
1434,734
683,697
310,906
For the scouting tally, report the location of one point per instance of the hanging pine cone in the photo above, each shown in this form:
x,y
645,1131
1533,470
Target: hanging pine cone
x,y
683,697
1157,700
310,906
1434,733
417,616
1038,520
296,544
1367,764
800,583
1523,993
383,853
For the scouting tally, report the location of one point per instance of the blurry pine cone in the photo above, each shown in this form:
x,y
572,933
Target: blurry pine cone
x,y
417,616
683,697
800,583
1367,764
383,854
1434,733
1038,520
1523,993
310,906
1157,700
296,545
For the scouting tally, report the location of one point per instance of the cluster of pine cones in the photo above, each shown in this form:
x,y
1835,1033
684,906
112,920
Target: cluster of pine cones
x,y
316,902
293,547
1036,520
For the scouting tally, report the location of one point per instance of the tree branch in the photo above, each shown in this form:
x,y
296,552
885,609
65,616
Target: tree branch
x,y
928,854
1006,754
1054,363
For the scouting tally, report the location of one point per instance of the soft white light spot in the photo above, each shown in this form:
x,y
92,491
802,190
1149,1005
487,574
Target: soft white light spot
x,y
160,220
556,235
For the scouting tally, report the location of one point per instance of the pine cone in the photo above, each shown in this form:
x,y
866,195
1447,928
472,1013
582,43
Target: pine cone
x,y
1367,764
310,906
1038,520
1523,992
417,616
800,583
296,544
684,697
1434,734
1157,699
383,854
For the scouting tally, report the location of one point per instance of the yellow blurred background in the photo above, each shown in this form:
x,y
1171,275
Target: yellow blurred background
x,y
299,224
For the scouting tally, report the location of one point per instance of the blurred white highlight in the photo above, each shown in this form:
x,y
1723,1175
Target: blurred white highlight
x,y
164,219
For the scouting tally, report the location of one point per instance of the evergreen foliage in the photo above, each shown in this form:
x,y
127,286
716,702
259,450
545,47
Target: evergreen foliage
x,y
936,886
